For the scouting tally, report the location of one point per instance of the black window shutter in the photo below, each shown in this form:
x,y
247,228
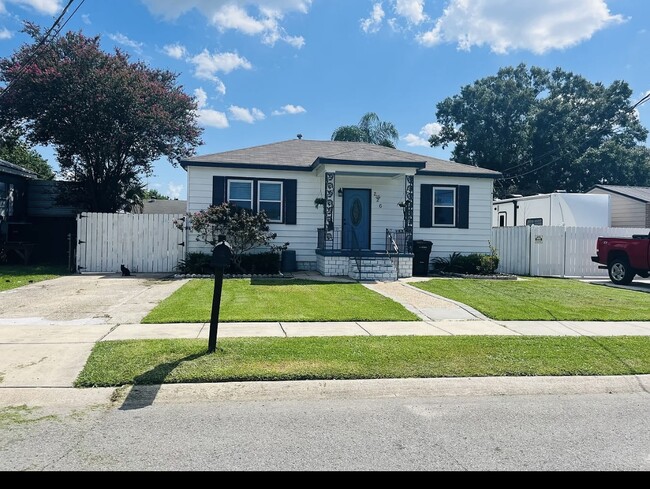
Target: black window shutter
x,y
218,190
463,207
426,206
290,200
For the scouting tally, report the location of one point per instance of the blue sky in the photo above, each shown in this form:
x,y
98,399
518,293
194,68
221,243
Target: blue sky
x,y
266,70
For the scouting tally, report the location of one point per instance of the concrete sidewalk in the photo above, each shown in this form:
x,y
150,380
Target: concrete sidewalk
x,y
48,355
45,345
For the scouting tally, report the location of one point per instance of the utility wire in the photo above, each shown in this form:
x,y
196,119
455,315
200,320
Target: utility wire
x,y
39,46
597,134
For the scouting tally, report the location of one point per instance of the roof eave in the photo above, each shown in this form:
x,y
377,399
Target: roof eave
x,y
440,173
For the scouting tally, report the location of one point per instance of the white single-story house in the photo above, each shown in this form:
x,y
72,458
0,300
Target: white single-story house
x,y
378,203
630,205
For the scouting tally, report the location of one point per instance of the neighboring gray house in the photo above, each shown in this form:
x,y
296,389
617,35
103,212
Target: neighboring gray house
x,y
33,226
164,206
630,206
376,202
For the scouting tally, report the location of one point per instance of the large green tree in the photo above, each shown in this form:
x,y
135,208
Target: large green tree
x,y
152,193
545,131
16,151
107,118
369,130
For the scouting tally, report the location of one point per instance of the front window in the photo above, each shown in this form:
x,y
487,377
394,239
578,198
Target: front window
x,y
270,200
444,206
240,193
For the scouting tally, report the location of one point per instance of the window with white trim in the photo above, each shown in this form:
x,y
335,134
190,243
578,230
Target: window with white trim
x,y
269,199
444,206
240,193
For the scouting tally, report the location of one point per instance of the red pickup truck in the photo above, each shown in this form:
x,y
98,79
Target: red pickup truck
x,y
624,257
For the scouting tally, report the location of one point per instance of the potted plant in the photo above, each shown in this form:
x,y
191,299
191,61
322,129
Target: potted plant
x,y
319,201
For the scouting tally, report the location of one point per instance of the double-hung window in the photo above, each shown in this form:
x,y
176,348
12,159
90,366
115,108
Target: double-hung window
x,y
240,193
444,206
269,199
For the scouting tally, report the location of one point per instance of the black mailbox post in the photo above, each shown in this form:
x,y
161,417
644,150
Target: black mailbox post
x,y
221,257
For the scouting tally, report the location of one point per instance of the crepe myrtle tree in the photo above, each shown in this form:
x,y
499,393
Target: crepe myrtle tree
x,y
244,230
107,118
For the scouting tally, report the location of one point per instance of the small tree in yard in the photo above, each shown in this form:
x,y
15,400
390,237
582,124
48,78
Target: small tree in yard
x,y
244,230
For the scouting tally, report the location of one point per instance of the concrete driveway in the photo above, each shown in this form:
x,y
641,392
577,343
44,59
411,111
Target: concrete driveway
x,y
639,284
48,329
86,299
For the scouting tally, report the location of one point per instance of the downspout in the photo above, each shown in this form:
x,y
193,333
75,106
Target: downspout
x,y
515,206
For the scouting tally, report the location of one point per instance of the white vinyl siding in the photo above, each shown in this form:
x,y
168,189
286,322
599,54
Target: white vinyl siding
x,y
626,212
385,213
447,240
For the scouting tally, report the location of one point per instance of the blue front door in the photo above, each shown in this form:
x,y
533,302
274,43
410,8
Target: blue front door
x,y
356,219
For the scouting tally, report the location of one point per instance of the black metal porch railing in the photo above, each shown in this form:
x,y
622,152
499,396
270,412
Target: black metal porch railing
x,y
329,245
395,241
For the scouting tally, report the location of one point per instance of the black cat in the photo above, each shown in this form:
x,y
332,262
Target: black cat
x,y
125,271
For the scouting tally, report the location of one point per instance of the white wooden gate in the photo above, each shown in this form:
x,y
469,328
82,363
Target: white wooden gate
x,y
552,251
144,243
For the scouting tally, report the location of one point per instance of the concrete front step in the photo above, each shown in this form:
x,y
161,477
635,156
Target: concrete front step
x,y
372,268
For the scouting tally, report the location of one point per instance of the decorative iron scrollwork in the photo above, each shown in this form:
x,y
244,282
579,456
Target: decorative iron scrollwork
x,y
329,205
408,211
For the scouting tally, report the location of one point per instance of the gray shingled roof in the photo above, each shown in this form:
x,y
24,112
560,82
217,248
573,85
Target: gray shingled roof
x,y
638,193
6,167
305,154
160,206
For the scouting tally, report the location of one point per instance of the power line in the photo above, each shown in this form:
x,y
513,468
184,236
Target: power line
x,y
41,43
594,136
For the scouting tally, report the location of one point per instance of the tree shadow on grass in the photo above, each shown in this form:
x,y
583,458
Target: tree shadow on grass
x,y
146,386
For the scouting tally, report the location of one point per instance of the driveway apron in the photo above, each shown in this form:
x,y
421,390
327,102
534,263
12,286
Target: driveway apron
x,y
48,329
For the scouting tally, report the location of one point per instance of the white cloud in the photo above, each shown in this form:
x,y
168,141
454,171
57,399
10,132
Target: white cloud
x,y
295,41
251,17
86,19
212,118
46,7
289,109
176,51
207,65
530,25
207,116
411,10
373,23
201,97
425,133
5,34
246,115
174,190
124,40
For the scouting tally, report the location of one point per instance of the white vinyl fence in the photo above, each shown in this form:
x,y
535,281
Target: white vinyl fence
x,y
552,251
144,243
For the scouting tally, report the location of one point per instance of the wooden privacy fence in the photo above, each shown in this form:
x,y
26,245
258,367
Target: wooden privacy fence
x,y
144,243
552,251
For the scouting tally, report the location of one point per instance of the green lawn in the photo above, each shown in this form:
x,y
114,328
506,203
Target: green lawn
x,y
12,276
115,363
250,300
546,299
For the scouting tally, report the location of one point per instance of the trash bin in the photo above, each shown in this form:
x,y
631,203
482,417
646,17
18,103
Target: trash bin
x,y
288,261
421,254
